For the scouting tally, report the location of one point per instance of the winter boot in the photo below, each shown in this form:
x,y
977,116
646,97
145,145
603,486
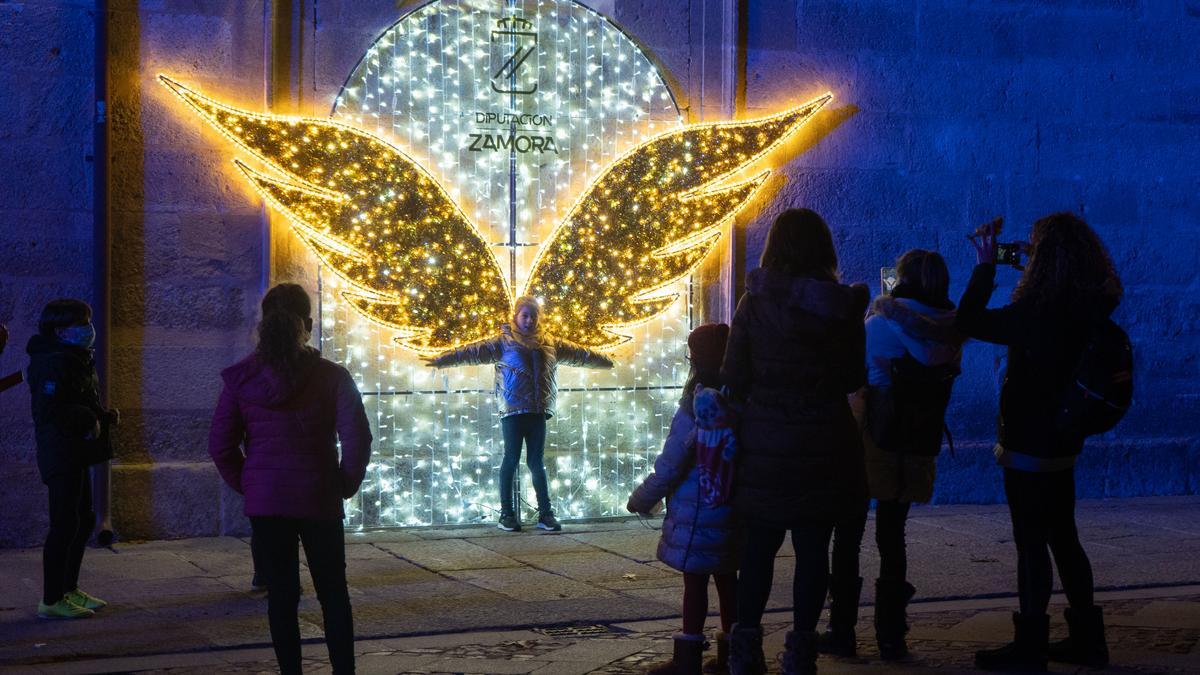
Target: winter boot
x,y
720,664
745,651
891,617
1026,653
800,653
1085,644
839,639
686,657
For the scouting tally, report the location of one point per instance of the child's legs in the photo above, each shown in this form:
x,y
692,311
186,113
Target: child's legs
x,y
510,429
695,602
535,450
65,494
85,523
727,595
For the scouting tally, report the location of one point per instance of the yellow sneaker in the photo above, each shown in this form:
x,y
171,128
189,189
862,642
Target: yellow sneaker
x,y
84,600
63,609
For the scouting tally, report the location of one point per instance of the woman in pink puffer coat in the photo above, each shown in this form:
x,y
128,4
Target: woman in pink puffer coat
x,y
274,439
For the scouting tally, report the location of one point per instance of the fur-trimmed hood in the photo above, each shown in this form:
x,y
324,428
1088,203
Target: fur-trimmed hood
x,y
927,333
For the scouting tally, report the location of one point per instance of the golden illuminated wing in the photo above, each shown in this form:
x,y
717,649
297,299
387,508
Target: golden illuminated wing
x,y
648,220
377,219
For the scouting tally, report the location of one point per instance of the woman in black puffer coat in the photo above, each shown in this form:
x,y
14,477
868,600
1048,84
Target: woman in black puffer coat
x,y
796,350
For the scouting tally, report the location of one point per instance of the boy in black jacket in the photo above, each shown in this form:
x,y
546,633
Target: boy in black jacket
x,y
72,431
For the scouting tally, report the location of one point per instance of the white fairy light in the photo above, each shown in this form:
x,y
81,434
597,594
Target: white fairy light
x,y
420,87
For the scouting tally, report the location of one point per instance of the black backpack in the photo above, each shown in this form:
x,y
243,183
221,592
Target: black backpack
x,y
1101,387
909,416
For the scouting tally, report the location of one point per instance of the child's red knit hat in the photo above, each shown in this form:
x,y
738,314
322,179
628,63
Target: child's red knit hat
x,y
706,343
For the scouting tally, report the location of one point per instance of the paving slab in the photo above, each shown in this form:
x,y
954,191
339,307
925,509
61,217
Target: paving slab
x,y
523,583
633,544
140,561
444,555
381,536
524,547
1164,613
604,569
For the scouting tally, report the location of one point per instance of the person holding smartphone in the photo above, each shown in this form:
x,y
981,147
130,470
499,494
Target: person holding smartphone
x,y
1068,284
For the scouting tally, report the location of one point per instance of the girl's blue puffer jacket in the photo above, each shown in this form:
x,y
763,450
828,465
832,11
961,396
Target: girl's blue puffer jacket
x,y
695,537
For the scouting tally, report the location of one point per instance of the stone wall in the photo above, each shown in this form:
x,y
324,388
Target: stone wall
x,y
953,113
946,114
46,63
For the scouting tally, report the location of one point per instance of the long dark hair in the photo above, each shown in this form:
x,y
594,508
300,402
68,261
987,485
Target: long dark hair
x,y
282,331
1069,267
800,245
924,277
695,377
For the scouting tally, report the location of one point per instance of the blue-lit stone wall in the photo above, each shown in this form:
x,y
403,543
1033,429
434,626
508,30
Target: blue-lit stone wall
x,y
947,114
956,112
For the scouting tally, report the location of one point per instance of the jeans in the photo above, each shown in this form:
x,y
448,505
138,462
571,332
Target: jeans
x,y
811,543
890,518
325,549
71,524
529,428
1042,506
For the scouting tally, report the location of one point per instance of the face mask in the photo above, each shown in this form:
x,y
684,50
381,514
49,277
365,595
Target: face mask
x,y
80,336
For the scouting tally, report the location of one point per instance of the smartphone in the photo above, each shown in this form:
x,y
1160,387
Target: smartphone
x,y
888,280
1009,254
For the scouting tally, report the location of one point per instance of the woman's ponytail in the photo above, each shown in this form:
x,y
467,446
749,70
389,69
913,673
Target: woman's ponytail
x,y
282,332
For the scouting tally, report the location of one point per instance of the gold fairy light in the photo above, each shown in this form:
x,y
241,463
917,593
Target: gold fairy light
x,y
415,261
418,265
649,220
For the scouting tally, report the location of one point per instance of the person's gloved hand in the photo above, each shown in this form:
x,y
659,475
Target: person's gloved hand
x,y
637,506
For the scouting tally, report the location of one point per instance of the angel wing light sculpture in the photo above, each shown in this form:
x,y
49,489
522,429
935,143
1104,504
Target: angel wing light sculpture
x,y
417,264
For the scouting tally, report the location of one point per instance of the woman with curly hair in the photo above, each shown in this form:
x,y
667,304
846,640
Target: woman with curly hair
x,y
1068,286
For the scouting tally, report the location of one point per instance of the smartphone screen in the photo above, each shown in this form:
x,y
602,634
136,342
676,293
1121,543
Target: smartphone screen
x,y
1008,254
887,280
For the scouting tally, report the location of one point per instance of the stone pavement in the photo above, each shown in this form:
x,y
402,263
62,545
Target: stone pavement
x,y
1149,631
480,600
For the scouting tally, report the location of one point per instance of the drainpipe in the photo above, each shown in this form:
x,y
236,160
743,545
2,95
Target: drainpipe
x,y
101,263
737,32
